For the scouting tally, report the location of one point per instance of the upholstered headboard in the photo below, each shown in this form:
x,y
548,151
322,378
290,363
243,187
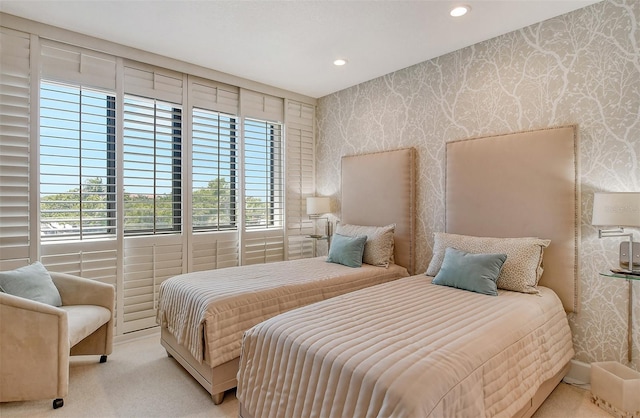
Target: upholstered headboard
x,y
379,189
521,185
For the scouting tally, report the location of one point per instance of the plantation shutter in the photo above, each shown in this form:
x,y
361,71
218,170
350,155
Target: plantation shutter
x,y
70,64
214,242
77,152
148,261
214,96
261,106
95,259
300,177
152,182
14,149
263,233
77,162
146,81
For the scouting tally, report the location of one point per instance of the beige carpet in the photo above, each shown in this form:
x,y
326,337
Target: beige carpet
x,y
139,380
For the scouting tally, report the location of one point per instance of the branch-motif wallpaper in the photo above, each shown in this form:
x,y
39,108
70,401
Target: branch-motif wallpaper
x,y
583,67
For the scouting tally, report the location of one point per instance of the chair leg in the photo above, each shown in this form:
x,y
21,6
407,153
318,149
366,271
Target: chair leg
x,y
58,403
103,359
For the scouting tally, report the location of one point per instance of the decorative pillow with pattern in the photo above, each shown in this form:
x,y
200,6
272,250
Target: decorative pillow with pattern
x,y
378,250
520,272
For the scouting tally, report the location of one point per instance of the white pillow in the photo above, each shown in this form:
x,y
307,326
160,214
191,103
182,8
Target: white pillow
x,y
520,272
378,250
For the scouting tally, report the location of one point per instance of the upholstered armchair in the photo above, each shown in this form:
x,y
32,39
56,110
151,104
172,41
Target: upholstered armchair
x,y
36,339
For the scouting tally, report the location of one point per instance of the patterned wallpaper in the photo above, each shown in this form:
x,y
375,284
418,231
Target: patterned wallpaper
x,y
582,67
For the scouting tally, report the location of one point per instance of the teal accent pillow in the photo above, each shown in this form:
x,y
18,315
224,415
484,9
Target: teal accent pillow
x,y
347,250
31,282
475,272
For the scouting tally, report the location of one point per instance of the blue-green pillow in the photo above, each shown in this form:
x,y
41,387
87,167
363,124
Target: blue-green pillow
x,y
347,250
475,272
31,282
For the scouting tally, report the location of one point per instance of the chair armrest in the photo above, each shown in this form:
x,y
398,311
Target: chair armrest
x,y
34,349
76,290
18,302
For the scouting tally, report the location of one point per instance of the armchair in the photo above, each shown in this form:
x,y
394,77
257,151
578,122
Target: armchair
x,y
37,339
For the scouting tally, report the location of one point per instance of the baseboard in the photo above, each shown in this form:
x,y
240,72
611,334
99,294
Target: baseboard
x,y
579,374
136,335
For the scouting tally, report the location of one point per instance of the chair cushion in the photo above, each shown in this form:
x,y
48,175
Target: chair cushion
x,y
83,320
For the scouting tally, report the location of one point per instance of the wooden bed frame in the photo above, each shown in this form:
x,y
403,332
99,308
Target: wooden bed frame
x,y
518,185
377,189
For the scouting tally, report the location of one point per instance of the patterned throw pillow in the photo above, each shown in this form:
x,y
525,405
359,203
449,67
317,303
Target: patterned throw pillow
x,y
520,272
378,250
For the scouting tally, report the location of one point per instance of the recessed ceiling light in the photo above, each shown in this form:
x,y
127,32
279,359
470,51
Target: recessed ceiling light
x,y
460,11
339,62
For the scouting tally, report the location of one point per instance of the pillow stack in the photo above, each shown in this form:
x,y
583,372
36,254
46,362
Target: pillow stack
x,y
521,270
378,245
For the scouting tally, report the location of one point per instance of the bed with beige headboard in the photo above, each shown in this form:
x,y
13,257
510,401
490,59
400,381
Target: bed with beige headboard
x,y
450,345
521,185
203,314
379,189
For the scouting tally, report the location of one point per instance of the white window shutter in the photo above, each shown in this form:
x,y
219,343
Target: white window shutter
x,y
152,82
148,261
264,194
261,106
152,144
67,63
152,164
96,259
215,250
214,96
77,162
263,247
14,149
300,177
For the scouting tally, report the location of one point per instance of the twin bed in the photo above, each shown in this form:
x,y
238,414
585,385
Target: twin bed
x,y
408,347
204,314
414,348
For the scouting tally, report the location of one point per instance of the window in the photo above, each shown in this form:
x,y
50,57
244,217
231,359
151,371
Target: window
x,y
214,160
77,161
263,175
152,166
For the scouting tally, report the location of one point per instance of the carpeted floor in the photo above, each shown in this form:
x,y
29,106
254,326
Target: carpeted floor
x,y
139,380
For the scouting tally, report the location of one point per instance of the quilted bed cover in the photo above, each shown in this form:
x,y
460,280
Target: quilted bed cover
x,y
208,311
407,348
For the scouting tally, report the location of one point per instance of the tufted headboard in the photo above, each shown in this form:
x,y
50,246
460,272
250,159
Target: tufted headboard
x,y
521,185
378,189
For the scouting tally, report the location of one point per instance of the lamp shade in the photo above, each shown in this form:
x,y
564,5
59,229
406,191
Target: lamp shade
x,y
318,205
616,209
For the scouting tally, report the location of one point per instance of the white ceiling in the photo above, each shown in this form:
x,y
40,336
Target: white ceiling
x,y
292,44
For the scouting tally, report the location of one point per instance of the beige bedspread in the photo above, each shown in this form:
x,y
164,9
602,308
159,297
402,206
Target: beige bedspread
x,y
405,349
215,307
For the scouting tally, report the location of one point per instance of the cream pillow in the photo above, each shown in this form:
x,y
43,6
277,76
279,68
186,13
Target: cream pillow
x,y
378,250
520,272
